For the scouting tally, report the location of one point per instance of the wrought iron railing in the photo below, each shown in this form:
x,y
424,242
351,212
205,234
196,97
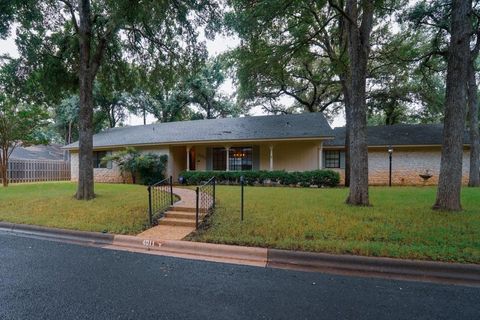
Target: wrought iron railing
x,y
160,198
205,201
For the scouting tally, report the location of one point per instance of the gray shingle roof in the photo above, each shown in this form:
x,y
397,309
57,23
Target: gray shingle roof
x,y
400,134
38,152
308,125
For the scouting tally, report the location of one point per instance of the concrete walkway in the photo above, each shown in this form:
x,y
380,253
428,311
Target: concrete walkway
x,y
164,232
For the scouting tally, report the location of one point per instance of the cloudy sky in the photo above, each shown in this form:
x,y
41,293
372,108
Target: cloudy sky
x,y
215,47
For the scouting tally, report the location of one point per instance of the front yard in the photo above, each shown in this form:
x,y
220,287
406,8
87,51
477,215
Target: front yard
x,y
400,224
118,208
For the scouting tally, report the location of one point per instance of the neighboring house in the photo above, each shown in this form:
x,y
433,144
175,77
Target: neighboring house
x,y
39,152
38,163
284,142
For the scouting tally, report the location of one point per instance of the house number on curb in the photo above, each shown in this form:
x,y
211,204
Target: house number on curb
x,y
149,243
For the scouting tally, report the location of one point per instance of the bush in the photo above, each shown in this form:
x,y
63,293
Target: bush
x,y
144,168
319,178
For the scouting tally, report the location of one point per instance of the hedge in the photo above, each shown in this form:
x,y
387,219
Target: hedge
x,y
319,178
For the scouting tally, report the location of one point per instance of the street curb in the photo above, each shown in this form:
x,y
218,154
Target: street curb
x,y
184,249
221,251
93,238
430,271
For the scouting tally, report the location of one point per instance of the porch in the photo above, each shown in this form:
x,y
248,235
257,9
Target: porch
x,y
297,155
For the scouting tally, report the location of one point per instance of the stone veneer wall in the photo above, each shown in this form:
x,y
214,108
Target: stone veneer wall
x,y
112,175
100,175
407,165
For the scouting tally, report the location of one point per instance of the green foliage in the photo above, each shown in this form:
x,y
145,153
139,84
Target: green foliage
x,y
19,123
145,168
319,178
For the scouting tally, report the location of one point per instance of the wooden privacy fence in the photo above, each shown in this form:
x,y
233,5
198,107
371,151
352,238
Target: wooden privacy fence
x,y
37,170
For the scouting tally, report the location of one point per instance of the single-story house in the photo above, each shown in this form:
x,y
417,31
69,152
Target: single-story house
x,y
297,142
39,152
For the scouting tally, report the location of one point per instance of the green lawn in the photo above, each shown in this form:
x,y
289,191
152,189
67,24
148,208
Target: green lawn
x,y
118,208
399,224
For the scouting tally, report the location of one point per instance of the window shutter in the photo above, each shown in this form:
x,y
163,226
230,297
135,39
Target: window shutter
x,y
342,159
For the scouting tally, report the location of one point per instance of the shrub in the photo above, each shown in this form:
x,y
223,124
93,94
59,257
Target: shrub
x,y
146,168
319,178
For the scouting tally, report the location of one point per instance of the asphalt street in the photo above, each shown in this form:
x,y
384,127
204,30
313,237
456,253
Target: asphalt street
x,y
49,280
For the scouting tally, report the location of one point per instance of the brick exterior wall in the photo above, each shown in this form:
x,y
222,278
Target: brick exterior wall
x,y
112,175
407,165
100,175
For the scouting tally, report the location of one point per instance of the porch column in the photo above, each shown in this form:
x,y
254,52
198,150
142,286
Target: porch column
x,y
188,157
320,155
227,150
271,157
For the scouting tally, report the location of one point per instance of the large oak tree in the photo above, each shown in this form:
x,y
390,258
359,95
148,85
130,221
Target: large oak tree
x,y
73,39
450,179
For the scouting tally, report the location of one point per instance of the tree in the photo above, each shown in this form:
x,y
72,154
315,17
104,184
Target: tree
x,y
450,179
358,20
89,34
18,125
473,114
203,91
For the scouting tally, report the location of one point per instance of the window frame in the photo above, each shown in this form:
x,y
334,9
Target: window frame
x,y
242,163
332,162
97,160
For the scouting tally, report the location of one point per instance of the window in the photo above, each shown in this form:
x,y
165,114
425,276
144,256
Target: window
x,y
332,159
97,160
241,159
219,159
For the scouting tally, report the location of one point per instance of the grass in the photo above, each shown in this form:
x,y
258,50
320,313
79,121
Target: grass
x,y
400,223
118,208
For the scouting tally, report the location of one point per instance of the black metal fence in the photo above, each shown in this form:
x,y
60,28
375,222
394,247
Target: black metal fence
x,y
205,200
160,198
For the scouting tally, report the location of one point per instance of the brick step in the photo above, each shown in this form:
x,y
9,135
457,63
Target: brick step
x,y
183,209
176,222
180,215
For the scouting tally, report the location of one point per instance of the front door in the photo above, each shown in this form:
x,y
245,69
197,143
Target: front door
x,y
192,159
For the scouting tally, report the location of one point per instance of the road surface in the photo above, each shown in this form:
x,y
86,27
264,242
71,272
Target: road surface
x,y
49,280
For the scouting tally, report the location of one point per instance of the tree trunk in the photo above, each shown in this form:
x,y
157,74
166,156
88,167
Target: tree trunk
x,y
358,50
474,178
450,179
85,189
346,95
4,166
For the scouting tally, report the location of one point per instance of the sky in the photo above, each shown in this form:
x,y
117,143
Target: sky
x,y
215,47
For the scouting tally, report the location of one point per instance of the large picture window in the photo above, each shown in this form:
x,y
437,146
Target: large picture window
x,y
97,160
332,159
241,159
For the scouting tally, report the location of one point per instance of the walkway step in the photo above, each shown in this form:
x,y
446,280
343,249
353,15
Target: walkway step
x,y
176,222
187,209
182,208
180,215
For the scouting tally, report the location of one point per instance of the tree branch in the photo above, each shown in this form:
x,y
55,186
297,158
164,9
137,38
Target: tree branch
x,y
72,13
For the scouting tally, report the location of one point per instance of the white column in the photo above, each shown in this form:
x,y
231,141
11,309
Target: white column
x,y
227,150
320,155
271,157
188,158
